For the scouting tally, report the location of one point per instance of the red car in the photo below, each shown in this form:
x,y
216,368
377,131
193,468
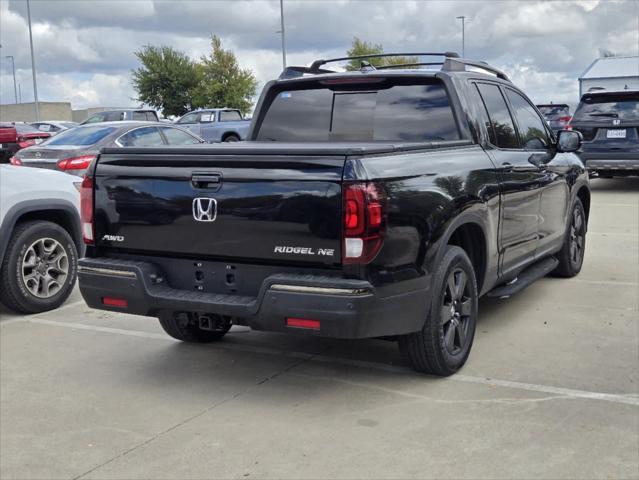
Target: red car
x,y
14,137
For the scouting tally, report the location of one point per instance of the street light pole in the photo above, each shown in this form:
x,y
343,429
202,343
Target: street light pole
x,y
463,19
33,68
282,31
13,66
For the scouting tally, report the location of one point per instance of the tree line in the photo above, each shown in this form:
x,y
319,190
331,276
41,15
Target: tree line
x,y
174,83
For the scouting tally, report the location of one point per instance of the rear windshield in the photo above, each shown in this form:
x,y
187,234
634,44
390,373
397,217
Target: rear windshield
x,y
598,107
360,112
23,128
554,110
81,136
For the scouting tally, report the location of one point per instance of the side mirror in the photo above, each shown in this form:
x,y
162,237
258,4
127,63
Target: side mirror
x,y
569,141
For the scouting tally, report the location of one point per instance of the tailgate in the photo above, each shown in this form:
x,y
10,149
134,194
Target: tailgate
x,y
265,208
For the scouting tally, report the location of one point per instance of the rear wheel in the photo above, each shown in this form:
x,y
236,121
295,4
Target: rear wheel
x,y
571,255
443,345
185,326
231,138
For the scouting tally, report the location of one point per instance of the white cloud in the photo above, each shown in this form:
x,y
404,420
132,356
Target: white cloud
x,y
85,50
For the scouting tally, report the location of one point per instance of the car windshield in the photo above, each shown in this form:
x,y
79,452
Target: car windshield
x,y
554,110
596,107
81,136
382,110
23,128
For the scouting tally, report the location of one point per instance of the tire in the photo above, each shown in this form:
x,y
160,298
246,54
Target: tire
x,y
183,326
39,268
443,345
231,138
571,255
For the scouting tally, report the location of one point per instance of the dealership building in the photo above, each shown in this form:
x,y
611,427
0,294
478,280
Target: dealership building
x,y
611,73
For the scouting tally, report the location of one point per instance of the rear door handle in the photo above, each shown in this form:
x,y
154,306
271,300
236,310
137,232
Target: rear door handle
x,y
207,180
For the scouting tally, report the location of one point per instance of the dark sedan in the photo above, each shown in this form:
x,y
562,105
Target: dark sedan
x,y
72,151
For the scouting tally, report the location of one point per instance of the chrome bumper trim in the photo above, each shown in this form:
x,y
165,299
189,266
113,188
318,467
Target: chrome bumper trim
x,y
107,272
319,290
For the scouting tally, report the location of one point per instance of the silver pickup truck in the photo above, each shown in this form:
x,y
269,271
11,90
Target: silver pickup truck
x,y
216,124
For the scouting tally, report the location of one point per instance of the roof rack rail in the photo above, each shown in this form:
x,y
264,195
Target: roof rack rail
x,y
318,63
460,64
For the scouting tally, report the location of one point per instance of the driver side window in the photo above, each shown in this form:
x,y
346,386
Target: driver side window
x,y
534,135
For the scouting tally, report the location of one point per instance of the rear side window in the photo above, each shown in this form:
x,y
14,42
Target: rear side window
x,y
81,136
552,111
175,136
396,113
151,117
602,107
503,129
230,116
531,126
141,137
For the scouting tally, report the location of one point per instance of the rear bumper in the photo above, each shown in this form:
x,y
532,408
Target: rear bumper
x,y
345,308
610,161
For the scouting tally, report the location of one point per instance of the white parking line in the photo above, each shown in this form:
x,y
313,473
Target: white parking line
x,y
628,399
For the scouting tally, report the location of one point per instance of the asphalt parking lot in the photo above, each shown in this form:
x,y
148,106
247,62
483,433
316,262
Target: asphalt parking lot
x,y
551,389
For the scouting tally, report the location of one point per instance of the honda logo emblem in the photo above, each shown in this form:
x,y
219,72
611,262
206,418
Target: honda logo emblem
x,y
204,209
616,121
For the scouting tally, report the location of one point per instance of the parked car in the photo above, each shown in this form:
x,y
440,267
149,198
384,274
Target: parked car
x,y
40,238
122,115
54,126
216,124
73,151
609,123
373,203
557,115
15,136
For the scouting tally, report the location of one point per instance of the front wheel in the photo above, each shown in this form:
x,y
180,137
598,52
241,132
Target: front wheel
x,y
39,268
231,138
442,346
571,255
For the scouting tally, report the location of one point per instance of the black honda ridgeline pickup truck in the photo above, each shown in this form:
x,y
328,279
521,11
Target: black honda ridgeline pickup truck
x,y
372,203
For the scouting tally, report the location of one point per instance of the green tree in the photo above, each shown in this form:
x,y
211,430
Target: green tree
x,y
362,47
222,82
165,80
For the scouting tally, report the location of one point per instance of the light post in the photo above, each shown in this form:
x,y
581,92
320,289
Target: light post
x,y
13,66
463,19
33,68
282,31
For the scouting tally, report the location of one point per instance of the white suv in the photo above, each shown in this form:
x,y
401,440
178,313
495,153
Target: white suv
x,y
40,237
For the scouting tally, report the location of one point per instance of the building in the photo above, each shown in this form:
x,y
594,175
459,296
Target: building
x,y
611,73
25,112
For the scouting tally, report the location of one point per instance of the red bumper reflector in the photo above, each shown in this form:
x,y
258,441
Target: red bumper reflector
x,y
303,323
115,302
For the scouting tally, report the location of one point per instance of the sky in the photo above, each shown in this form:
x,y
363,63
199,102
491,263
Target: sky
x,y
84,49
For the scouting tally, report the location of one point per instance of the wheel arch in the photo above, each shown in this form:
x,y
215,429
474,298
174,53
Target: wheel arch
x,y
583,194
468,232
57,211
229,133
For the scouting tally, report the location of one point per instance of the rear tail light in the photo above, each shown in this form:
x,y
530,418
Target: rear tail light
x,y
364,222
76,163
15,161
86,210
565,122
